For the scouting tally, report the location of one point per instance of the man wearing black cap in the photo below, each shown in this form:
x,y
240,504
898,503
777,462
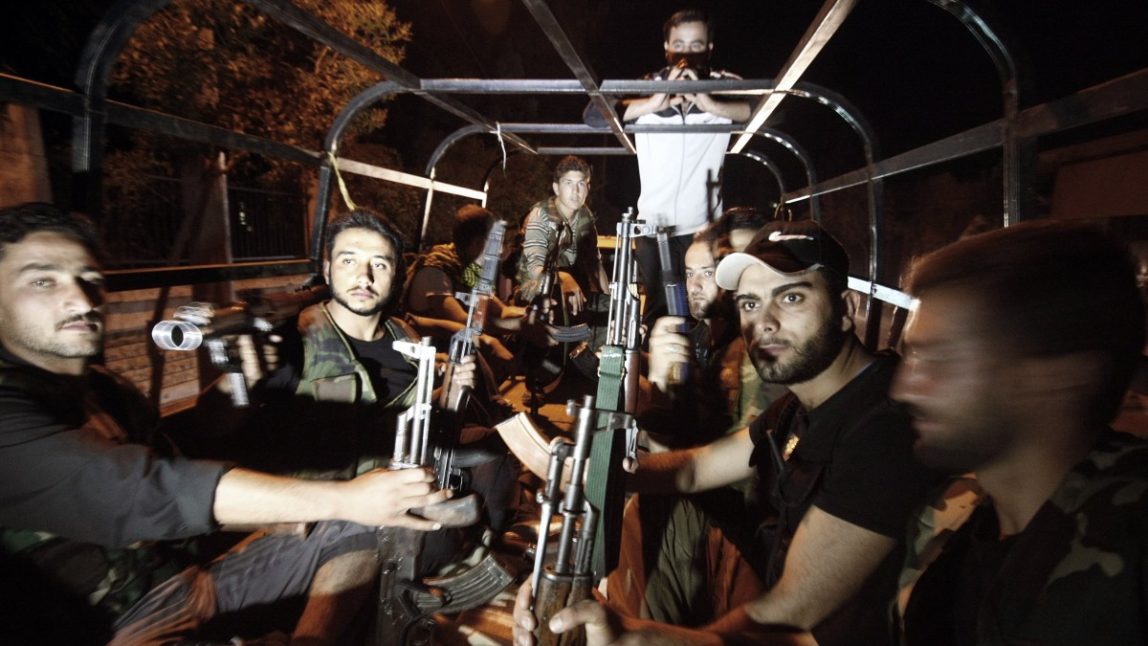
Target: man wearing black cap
x,y
834,457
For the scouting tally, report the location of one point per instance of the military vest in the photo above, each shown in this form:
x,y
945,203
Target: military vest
x,y
331,373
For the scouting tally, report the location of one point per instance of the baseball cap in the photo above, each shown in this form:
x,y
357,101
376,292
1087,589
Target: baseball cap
x,y
787,247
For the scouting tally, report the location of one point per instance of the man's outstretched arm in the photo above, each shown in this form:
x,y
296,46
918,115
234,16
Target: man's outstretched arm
x,y
380,497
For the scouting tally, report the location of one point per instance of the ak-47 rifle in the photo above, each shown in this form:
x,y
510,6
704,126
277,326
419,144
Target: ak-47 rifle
x,y
569,578
212,326
464,343
614,447
615,444
545,366
405,600
678,305
592,469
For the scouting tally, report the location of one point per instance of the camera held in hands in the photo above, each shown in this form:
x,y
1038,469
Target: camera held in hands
x,y
696,61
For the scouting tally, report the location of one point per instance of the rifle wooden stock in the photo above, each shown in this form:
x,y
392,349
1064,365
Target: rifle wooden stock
x,y
452,398
569,578
529,445
555,592
457,512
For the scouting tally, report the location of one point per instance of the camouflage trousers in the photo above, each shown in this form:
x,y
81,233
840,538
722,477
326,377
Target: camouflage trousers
x,y
677,565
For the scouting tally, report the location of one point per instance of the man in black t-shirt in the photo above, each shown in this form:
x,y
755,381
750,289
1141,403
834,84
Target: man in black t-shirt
x,y
835,456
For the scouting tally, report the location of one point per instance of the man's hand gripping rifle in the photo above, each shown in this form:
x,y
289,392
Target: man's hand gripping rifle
x,y
216,326
464,343
677,304
405,600
569,578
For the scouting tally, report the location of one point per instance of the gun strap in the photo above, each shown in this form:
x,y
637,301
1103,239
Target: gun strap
x,y
605,482
611,369
605,490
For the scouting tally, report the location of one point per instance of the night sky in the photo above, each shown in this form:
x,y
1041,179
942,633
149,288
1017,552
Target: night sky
x,y
908,66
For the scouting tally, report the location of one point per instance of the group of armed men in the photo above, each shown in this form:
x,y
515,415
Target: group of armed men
x,y
794,486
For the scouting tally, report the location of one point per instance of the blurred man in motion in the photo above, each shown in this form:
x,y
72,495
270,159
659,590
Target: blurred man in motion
x,y
1018,354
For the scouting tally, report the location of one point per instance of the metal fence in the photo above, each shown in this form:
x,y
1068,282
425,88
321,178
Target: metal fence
x,y
264,225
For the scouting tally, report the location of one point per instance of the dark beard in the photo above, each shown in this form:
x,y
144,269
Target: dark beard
x,y
368,311
811,359
700,312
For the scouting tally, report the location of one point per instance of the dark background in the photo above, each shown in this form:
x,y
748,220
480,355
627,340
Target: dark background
x,y
909,67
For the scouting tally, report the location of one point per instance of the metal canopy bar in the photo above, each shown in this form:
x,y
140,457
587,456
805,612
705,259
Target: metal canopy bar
x,y
134,117
53,98
969,142
582,150
1118,97
399,177
881,292
800,153
609,86
549,24
101,50
111,34
832,14
318,30
360,102
14,89
1018,158
583,129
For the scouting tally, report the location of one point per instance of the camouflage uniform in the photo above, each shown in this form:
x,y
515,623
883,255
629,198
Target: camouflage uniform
x,y
338,418
1077,574
330,371
445,258
320,409
576,243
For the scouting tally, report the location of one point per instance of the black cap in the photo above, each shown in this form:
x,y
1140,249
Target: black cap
x,y
787,247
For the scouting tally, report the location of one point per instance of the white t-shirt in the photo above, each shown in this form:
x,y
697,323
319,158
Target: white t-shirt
x,y
673,168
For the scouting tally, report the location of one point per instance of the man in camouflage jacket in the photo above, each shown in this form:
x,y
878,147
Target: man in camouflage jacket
x,y
333,402
1021,347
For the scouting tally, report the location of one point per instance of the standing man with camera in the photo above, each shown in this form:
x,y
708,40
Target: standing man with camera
x,y
676,169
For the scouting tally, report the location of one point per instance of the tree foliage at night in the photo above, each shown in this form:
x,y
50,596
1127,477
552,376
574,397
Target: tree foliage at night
x,y
224,63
